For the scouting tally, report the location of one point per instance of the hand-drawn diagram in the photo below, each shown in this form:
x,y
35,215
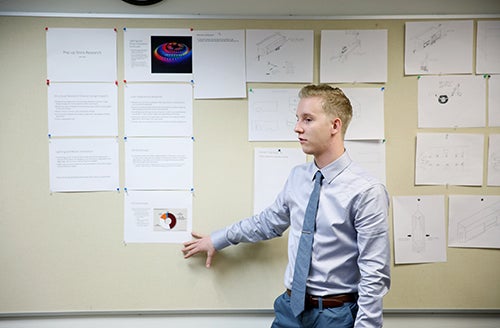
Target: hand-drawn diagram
x,y
279,55
428,39
439,47
447,90
419,229
474,221
351,47
439,158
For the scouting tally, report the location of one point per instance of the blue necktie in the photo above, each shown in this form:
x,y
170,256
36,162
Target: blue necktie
x,y
303,259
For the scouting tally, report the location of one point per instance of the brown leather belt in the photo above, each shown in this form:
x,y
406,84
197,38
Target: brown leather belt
x,y
329,301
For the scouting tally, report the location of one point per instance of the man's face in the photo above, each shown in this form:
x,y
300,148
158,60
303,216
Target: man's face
x,y
314,127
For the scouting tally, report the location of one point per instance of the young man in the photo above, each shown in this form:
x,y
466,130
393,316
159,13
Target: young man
x,y
349,265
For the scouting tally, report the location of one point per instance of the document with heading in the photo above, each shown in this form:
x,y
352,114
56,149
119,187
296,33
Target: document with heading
x,y
83,109
158,216
89,164
219,64
419,229
449,158
159,163
158,54
272,167
81,55
158,109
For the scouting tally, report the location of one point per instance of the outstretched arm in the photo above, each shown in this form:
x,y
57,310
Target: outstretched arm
x,y
200,244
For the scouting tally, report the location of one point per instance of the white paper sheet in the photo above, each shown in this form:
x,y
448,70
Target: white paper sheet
x,y
370,155
219,64
439,47
272,114
159,164
279,55
158,216
271,169
488,47
419,229
494,160
474,221
449,158
368,113
494,100
353,56
159,110
83,109
158,54
81,55
89,164
451,101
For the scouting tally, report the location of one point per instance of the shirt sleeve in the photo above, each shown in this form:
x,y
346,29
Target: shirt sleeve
x,y
374,255
269,223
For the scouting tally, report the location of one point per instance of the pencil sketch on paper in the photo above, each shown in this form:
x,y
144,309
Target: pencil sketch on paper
x,y
268,48
270,44
442,158
351,47
425,41
447,90
478,223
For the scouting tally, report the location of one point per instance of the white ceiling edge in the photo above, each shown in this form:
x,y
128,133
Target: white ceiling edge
x,y
247,17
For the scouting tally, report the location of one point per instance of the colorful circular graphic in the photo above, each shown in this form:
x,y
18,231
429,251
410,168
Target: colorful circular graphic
x,y
172,52
173,219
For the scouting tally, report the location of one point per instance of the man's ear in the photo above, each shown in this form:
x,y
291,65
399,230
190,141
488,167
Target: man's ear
x,y
336,125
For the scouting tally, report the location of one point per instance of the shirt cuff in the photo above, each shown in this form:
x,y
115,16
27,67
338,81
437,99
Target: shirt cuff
x,y
219,239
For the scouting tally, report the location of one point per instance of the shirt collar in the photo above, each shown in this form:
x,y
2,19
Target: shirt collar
x,y
332,170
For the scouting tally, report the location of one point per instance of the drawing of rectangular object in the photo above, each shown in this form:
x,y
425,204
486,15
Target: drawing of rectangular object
x,y
479,223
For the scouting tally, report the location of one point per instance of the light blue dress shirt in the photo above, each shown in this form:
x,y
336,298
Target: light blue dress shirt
x,y
351,243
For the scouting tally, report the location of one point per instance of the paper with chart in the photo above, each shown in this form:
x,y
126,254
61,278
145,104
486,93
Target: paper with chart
x,y
449,158
219,64
368,113
353,56
370,155
451,101
272,114
158,216
488,47
81,55
439,47
83,109
474,221
159,164
279,55
83,164
494,100
158,54
271,169
156,109
419,229
494,160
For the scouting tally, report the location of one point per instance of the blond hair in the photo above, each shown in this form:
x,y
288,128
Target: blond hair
x,y
334,102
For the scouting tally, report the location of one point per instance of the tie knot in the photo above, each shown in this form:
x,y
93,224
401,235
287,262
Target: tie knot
x,y
318,177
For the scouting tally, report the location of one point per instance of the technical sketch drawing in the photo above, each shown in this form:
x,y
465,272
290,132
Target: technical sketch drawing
x,y
270,45
426,40
418,234
353,47
448,90
443,158
478,223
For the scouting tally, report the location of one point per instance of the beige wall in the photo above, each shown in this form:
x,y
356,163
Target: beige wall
x,y
65,251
